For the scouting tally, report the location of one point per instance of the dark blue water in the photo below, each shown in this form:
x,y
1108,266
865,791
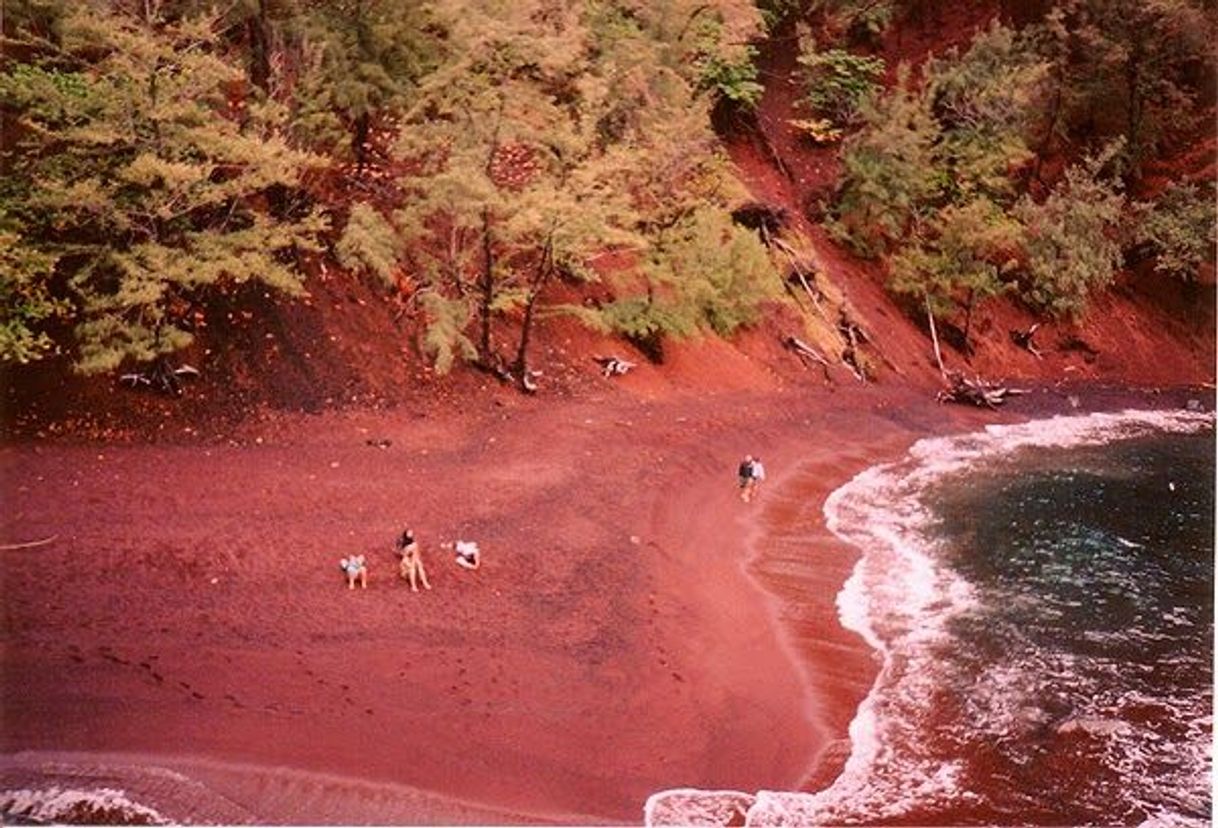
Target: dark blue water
x,y
1093,575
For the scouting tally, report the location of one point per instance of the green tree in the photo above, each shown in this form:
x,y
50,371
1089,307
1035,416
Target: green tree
x,y
1179,230
1071,240
889,175
133,190
1137,70
836,81
958,260
985,102
515,187
363,59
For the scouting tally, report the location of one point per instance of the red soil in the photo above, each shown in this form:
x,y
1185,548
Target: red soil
x,y
633,627
190,610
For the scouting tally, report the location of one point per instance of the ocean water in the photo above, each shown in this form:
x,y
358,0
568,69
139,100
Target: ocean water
x,y
1042,600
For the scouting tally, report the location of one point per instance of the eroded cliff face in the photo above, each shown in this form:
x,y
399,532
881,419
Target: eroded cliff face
x,y
1147,329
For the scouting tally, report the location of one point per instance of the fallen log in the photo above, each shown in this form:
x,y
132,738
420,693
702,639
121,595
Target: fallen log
x,y
975,391
806,354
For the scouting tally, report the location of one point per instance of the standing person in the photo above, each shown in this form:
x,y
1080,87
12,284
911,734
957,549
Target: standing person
x,y
758,475
355,569
411,566
744,475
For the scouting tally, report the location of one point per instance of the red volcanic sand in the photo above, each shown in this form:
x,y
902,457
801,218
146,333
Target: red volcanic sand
x,y
634,626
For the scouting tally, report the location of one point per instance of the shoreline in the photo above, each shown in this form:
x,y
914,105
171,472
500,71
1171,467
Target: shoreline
x,y
671,651
838,663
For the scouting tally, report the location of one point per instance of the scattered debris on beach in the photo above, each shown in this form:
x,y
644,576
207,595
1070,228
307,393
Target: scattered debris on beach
x,y
975,391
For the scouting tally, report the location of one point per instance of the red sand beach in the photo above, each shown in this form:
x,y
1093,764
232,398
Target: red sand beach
x,y
634,626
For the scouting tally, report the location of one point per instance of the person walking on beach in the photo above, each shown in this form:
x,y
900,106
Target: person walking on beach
x,y
757,473
411,566
744,476
356,569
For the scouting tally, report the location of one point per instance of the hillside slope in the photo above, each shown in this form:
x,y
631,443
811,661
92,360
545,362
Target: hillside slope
x,y
348,345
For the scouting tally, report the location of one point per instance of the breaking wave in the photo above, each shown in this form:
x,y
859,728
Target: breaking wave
x,y
977,703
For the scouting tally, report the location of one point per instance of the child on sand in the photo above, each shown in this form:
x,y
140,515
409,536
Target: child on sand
x,y
411,567
356,569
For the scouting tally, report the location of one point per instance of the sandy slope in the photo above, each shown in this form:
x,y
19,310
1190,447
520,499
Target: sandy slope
x,y
633,627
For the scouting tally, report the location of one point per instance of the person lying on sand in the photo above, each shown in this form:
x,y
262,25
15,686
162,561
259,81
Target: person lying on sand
x,y
411,566
468,554
356,569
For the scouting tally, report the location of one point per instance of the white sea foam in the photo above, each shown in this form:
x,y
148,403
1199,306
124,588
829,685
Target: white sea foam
x,y
87,807
901,601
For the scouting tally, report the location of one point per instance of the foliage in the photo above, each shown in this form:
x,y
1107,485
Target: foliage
x,y
1135,69
706,273
959,259
444,336
1179,228
140,183
25,300
863,21
776,12
736,81
515,183
837,81
1071,240
370,243
889,172
715,40
984,101
363,58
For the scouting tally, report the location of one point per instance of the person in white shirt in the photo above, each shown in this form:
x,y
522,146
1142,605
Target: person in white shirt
x,y
756,474
468,554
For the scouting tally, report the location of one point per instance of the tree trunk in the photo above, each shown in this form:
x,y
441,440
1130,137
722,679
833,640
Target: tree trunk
x,y
541,277
258,34
934,337
359,140
487,283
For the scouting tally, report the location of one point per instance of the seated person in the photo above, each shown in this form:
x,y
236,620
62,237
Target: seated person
x,y
355,569
411,566
468,554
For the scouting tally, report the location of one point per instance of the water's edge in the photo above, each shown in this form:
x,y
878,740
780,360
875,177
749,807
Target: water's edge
x,y
848,513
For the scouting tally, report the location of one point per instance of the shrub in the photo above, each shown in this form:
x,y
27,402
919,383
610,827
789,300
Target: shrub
x,y
889,171
837,82
1179,230
1071,240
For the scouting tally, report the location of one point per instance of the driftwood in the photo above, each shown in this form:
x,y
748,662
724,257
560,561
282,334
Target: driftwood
x,y
854,336
160,376
934,337
613,366
809,285
806,354
30,544
975,391
1024,340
